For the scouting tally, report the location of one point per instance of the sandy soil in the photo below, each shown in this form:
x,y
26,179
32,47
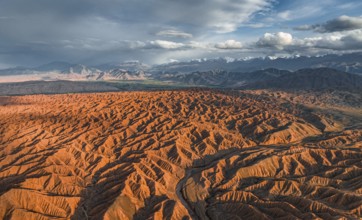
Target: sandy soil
x,y
196,154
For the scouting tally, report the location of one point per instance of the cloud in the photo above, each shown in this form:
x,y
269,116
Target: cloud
x,y
304,27
164,44
34,32
299,10
326,43
285,15
342,23
226,16
122,28
275,40
338,42
174,33
211,15
229,44
353,40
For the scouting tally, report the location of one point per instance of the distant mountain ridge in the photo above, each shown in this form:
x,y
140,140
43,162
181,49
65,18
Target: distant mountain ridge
x,y
318,78
351,63
223,78
220,73
68,71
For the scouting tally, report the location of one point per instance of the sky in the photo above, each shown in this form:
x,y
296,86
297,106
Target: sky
x,y
91,32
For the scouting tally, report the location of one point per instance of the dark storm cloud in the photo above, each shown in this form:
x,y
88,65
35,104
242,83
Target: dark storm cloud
x,y
342,23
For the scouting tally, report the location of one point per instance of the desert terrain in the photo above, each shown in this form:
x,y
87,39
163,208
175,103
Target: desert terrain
x,y
182,154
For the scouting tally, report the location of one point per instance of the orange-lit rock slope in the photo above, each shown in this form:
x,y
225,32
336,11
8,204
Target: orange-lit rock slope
x,y
175,155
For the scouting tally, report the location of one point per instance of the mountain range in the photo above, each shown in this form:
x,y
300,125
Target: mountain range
x,y
343,72
308,78
351,63
75,72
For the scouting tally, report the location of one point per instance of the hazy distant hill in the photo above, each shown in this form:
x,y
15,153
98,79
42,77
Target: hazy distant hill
x,y
320,72
133,66
78,72
351,63
304,79
224,78
320,78
346,62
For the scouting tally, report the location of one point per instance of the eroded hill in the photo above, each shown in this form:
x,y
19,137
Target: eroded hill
x,y
197,154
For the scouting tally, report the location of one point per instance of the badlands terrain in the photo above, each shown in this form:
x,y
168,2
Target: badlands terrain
x,y
182,154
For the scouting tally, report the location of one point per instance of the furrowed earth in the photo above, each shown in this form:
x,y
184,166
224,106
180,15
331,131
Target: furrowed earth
x,y
183,154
